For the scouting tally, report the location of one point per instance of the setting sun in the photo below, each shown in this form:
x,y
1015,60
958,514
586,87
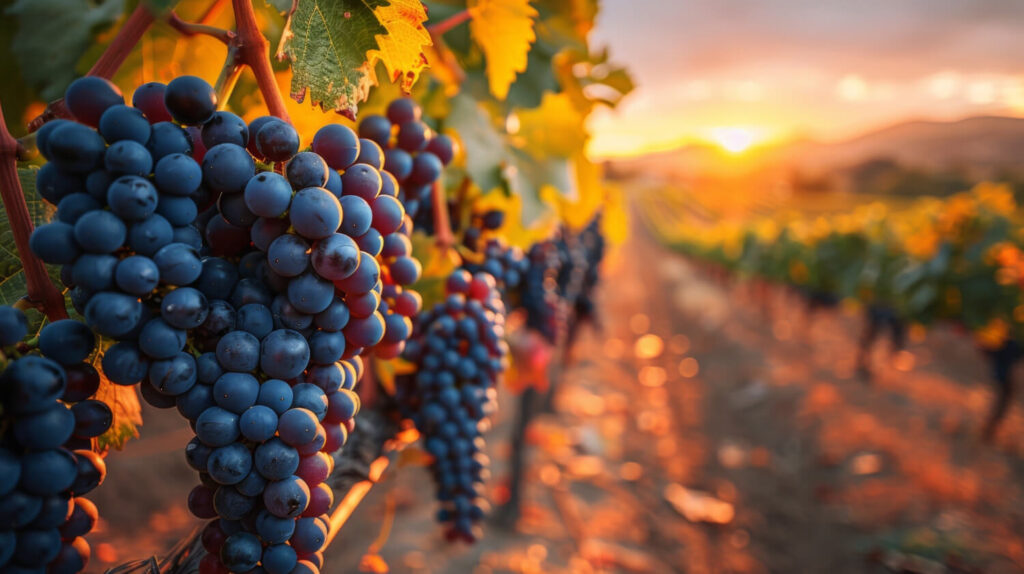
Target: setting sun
x,y
733,139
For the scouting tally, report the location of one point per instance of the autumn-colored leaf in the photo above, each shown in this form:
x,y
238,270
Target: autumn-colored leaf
x,y
504,31
333,46
402,48
123,400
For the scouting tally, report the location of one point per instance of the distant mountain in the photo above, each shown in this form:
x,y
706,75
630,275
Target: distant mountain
x,y
978,145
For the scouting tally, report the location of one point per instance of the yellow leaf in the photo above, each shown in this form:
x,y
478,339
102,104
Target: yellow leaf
x,y
504,30
553,129
402,48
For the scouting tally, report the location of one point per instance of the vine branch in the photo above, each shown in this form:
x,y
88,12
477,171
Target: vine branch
x,y
41,292
254,52
196,28
442,222
448,23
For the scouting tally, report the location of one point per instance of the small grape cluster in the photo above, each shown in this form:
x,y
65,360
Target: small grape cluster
x,y
413,154
505,263
460,352
47,464
539,295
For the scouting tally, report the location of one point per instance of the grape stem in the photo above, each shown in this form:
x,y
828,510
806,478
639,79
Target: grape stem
x,y
40,291
110,61
194,29
451,22
442,223
254,52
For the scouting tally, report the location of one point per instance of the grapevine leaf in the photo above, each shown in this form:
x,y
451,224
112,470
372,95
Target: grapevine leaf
x,y
553,129
485,147
53,34
333,46
438,264
504,31
532,179
281,6
123,400
328,42
402,48
12,277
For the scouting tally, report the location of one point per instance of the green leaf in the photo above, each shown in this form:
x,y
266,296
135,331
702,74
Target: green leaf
x,y
334,45
486,150
529,176
53,34
281,6
12,278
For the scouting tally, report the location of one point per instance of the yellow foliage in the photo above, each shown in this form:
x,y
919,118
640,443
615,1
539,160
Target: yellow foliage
x,y
504,31
553,129
402,48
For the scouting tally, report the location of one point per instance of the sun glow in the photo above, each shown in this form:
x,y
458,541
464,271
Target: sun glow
x,y
734,139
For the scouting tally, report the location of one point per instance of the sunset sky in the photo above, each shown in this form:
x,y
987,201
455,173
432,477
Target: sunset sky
x,y
768,70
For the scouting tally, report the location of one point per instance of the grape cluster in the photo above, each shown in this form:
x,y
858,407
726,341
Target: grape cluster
x,y
242,296
459,350
539,294
505,263
410,152
47,464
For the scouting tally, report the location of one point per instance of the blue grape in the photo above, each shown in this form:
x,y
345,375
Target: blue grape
x,y
67,341
177,174
375,128
173,376
55,243
306,169
166,139
13,325
150,235
124,364
265,230
177,210
88,97
297,426
256,319
276,394
338,145
412,136
371,154
194,401
258,423
47,472
277,141
149,98
54,184
94,272
100,232
233,209
357,216
217,279
361,180
74,205
309,293
236,392
227,168
231,504
217,427
132,198
279,559
92,418
288,255
402,110
286,498
190,100
159,340
398,162
46,429
239,351
225,127
229,464
179,264
268,194
326,347
284,354
274,529
184,308
128,157
113,314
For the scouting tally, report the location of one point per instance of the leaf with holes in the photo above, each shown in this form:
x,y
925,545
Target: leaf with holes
x,y
333,46
51,36
504,31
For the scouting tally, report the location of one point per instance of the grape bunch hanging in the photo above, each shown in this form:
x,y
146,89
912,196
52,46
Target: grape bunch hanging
x,y
236,279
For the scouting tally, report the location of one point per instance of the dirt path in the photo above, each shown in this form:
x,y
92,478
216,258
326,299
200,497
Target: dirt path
x,y
691,383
